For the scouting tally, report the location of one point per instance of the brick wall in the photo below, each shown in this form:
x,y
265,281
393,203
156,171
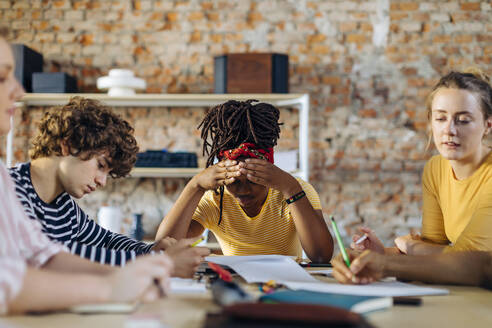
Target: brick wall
x,y
367,65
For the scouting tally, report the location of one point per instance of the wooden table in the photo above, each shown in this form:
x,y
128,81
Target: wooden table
x,y
463,307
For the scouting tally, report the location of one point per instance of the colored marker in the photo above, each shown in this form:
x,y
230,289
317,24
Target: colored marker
x,y
339,240
197,242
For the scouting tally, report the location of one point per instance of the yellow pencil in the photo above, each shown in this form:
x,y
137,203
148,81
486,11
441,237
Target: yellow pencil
x,y
197,242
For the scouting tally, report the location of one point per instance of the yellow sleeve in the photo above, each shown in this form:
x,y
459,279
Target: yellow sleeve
x,y
207,212
432,217
478,233
311,194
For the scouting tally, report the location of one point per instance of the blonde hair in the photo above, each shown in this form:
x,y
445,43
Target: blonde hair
x,y
472,79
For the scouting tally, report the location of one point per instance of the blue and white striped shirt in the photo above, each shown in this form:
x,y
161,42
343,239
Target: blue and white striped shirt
x,y
64,221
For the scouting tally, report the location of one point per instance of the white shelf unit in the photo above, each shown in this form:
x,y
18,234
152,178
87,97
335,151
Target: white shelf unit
x,y
298,101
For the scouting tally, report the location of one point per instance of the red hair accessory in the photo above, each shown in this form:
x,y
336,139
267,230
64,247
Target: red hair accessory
x,y
248,150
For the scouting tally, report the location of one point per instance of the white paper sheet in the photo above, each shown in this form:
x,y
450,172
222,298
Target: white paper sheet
x,y
262,268
382,288
187,286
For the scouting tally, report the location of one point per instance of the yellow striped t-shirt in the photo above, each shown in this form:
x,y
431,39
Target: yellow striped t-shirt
x,y
272,231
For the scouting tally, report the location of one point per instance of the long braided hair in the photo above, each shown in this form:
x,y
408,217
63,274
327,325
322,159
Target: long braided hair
x,y
232,123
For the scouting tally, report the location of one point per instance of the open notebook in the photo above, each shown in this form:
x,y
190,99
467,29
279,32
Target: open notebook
x,y
284,270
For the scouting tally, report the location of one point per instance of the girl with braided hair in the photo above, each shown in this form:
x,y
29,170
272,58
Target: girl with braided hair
x,y
251,205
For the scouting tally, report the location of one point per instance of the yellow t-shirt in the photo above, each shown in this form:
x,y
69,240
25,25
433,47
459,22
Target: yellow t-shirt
x,y
457,211
272,231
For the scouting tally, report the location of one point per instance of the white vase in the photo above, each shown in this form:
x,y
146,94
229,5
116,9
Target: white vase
x,y
110,217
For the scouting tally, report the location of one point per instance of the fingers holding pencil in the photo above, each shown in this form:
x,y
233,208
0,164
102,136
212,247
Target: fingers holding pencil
x,y
367,239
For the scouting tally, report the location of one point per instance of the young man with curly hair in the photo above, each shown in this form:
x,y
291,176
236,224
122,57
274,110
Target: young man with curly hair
x,y
77,146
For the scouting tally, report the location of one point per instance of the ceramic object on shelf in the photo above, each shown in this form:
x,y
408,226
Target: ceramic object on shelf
x,y
120,82
110,217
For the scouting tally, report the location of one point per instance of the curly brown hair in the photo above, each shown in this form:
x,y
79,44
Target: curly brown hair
x,y
88,128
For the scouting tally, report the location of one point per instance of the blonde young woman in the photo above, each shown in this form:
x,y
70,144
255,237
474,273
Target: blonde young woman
x,y
457,198
37,274
457,183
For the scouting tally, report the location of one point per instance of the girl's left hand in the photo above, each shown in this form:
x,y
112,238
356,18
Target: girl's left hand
x,y
265,173
406,243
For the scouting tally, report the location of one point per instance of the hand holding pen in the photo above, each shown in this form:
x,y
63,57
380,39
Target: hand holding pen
x,y
367,239
366,267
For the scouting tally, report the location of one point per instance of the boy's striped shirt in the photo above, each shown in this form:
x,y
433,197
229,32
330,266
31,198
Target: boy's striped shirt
x,y
64,221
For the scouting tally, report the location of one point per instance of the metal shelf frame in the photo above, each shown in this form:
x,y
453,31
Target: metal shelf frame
x,y
298,101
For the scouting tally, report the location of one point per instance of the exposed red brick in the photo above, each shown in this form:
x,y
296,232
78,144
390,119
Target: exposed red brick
x,y
331,80
213,16
409,71
441,38
368,113
410,113
359,15
195,16
254,17
172,17
367,27
465,38
87,39
196,36
460,17
420,17
36,14
408,6
93,4
157,16
451,50
338,89
356,38
59,3
207,5
316,38
78,5
484,37
394,16
347,26
470,6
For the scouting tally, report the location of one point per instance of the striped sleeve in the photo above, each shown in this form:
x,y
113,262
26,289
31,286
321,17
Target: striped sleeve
x,y
100,245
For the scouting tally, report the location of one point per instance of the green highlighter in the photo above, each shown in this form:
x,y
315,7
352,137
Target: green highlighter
x,y
339,240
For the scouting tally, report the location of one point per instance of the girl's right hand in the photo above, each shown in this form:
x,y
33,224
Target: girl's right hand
x,y
372,242
220,174
140,280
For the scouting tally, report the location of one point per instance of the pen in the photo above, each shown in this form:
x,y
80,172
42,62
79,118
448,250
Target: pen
x,y
314,265
339,240
159,287
197,241
361,239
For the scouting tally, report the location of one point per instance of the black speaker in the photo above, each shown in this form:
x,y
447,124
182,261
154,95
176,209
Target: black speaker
x,y
27,61
54,83
251,73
